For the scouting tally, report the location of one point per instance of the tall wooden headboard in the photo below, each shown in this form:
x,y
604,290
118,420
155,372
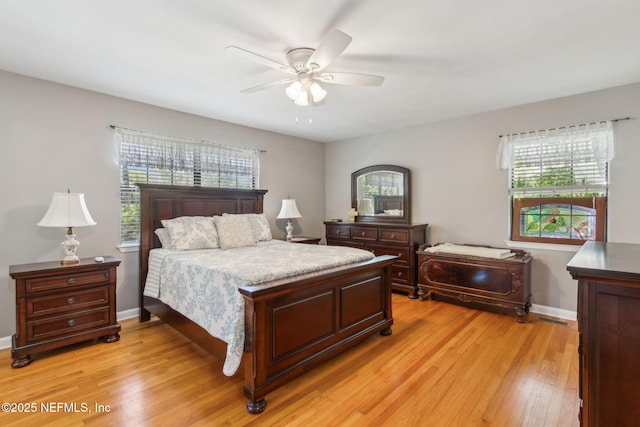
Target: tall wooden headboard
x,y
158,202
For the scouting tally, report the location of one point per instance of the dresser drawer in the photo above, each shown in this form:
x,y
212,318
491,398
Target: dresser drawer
x,y
394,236
400,274
70,301
51,327
403,254
361,233
349,243
338,231
66,281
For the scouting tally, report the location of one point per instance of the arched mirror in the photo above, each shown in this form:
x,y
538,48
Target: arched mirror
x,y
381,193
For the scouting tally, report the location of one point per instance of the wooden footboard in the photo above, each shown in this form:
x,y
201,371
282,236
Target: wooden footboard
x,y
292,328
496,284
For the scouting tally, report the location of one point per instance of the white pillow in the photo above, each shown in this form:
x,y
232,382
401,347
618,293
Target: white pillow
x,y
191,232
163,236
234,231
259,226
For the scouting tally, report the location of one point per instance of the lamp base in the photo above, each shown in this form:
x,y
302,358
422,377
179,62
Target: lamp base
x,y
70,245
70,260
289,229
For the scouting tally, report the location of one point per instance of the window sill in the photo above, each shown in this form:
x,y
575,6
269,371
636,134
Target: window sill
x,y
542,246
129,247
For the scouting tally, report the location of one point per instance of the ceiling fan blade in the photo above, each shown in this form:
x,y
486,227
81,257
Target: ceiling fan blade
x,y
260,59
332,46
268,85
350,79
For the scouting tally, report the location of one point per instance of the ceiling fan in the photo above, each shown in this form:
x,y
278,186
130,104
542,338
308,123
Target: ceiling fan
x,y
306,67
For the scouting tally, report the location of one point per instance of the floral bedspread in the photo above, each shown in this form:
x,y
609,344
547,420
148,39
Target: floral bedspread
x,y
203,284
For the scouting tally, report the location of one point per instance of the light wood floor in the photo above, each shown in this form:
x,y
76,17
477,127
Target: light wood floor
x,y
444,365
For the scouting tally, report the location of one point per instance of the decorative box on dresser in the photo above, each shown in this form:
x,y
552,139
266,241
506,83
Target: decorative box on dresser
x,y
608,277
401,240
57,305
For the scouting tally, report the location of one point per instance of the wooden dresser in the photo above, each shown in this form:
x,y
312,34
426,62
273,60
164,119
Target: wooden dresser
x,y
401,240
608,277
57,305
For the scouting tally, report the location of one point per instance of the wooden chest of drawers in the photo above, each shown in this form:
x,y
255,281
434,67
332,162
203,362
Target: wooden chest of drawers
x,y
401,240
608,277
57,305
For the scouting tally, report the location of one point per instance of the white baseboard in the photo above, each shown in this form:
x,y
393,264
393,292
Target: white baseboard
x,y
5,342
554,312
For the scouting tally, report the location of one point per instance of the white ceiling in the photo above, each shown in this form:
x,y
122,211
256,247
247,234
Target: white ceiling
x,y
440,58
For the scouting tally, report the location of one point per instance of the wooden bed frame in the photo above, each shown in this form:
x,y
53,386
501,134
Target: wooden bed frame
x,y
290,325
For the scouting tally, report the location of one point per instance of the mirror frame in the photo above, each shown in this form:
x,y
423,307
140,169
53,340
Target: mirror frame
x,y
406,200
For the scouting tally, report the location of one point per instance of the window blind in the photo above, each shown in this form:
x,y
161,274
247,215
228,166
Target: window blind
x,y
156,159
563,162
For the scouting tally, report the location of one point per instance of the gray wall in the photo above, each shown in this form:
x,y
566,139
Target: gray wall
x,y
458,190
56,137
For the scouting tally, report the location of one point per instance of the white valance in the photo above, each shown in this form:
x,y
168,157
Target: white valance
x,y
143,149
591,140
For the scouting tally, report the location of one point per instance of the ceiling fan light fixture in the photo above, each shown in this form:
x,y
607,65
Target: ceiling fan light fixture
x,y
317,92
302,99
304,92
293,90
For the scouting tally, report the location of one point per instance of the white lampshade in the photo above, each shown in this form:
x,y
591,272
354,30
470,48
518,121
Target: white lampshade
x,y
293,90
317,93
68,210
289,210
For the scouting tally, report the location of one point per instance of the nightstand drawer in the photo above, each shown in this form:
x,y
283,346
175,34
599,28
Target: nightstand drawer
x,y
394,236
50,327
70,301
66,281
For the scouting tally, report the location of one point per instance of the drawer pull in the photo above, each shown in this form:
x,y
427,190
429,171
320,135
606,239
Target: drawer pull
x,y
400,254
363,233
71,300
71,322
338,232
393,236
399,273
71,280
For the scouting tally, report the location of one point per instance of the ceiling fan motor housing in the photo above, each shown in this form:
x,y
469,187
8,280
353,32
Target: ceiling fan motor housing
x,y
298,58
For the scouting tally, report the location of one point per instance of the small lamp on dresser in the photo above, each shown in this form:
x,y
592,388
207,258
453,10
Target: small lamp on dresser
x,y
68,210
289,210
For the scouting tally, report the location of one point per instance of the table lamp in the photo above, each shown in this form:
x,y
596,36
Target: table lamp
x,y
68,210
289,210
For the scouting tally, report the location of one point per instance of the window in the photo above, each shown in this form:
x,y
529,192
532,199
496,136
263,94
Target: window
x,y
558,182
156,159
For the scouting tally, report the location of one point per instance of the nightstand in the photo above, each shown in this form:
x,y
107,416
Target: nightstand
x,y
308,240
57,305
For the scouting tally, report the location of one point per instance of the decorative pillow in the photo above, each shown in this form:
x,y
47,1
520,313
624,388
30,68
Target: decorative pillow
x,y
163,236
191,232
259,226
234,231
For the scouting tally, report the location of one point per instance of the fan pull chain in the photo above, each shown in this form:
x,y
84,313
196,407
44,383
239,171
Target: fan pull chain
x,y
310,118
